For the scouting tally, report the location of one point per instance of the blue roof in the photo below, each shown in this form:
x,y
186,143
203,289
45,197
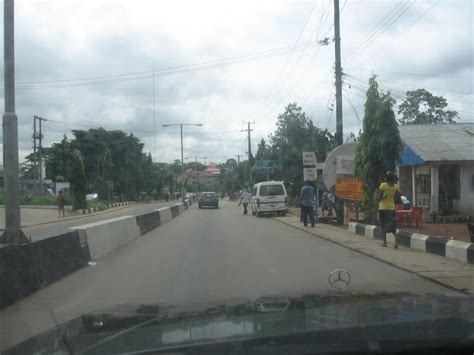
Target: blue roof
x,y
409,156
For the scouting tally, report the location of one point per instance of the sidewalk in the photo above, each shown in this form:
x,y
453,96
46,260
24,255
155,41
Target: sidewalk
x,y
446,272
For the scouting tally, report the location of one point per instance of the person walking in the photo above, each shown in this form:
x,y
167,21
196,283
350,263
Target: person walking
x,y
307,197
244,199
386,196
61,201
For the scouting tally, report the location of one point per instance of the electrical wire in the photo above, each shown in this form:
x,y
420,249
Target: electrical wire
x,y
372,56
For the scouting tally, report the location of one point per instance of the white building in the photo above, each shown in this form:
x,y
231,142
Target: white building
x,y
437,167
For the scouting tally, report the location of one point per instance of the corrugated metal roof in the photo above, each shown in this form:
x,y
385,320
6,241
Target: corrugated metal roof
x,y
440,142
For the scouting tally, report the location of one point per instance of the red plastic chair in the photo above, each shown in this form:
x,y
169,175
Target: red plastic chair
x,y
399,207
417,215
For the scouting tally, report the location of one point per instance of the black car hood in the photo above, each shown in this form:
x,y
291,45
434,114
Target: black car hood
x,y
132,328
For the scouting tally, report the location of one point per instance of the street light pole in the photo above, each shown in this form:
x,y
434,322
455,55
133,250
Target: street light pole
x,y
181,132
13,233
182,159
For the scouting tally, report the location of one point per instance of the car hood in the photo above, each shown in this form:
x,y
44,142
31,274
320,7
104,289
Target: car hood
x,y
130,328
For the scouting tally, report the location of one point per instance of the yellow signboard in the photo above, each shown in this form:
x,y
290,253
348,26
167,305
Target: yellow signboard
x,y
349,189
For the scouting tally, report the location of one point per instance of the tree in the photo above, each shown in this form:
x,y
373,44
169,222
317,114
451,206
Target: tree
x,y
379,147
263,151
422,107
295,134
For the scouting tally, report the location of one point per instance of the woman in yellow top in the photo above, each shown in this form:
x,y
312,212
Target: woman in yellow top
x,y
387,194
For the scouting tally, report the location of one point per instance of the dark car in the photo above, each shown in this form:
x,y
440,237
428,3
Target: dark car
x,y
208,199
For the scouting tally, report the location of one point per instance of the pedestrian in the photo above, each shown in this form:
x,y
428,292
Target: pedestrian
x,y
326,204
61,201
307,197
405,201
386,196
244,199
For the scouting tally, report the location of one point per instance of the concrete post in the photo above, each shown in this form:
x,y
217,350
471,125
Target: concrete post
x,y
13,233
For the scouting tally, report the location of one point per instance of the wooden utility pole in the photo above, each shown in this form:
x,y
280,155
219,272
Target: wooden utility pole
x,y
339,126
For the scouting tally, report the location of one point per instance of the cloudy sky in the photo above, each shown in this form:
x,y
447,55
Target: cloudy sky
x,y
85,64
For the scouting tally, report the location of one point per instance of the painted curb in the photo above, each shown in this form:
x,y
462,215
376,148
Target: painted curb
x,y
438,245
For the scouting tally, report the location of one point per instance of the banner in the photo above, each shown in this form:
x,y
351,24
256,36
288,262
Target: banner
x,y
345,165
310,174
349,189
309,158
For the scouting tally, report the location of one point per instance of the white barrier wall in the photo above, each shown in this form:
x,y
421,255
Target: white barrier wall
x,y
165,214
106,236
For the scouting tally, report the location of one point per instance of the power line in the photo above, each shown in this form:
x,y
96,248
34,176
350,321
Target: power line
x,y
371,57
105,80
413,74
287,60
370,39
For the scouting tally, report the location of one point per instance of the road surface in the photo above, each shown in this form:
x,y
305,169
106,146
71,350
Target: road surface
x,y
62,226
208,255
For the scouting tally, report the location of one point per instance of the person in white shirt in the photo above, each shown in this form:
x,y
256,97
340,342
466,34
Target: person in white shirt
x,y
406,202
245,199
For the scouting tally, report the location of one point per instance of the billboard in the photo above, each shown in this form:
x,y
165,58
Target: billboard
x,y
349,189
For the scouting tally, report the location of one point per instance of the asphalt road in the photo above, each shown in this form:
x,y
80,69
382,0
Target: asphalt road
x,y
208,255
62,226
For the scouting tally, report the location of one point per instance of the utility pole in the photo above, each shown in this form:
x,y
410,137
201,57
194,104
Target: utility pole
x,y
39,136
337,42
248,130
13,233
238,158
35,166
154,116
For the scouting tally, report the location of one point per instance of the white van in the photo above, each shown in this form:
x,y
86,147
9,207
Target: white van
x,y
269,197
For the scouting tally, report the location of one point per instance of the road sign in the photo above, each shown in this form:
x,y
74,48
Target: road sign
x,y
349,189
310,174
309,158
265,164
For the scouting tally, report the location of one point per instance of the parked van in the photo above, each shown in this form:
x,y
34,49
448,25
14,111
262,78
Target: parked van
x,y
269,197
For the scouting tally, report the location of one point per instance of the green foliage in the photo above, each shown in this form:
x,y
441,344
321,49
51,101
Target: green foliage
x,y
96,156
101,206
379,147
295,134
45,200
422,107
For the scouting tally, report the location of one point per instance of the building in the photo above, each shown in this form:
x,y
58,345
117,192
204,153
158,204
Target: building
x,y
437,167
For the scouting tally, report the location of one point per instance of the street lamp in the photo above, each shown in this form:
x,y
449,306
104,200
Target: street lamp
x,y
181,130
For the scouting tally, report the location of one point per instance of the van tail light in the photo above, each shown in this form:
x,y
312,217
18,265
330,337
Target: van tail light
x,y
258,202
286,201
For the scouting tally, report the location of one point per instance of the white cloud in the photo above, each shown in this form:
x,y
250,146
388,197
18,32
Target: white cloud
x,y
76,39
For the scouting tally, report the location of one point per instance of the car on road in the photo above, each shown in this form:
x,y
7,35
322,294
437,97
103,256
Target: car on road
x,y
208,199
269,197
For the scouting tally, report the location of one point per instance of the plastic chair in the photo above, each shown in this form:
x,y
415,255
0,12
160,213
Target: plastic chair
x,y
417,215
399,207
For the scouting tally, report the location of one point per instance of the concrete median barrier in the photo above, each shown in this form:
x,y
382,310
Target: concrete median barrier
x,y
181,207
174,211
148,221
30,267
106,236
165,214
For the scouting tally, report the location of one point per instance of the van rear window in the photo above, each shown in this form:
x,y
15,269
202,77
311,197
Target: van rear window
x,y
271,190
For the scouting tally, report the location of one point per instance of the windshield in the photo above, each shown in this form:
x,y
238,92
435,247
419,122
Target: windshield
x,y
271,190
198,155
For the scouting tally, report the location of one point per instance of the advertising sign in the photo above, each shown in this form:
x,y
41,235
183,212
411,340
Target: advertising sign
x,y
310,174
349,189
309,158
345,165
